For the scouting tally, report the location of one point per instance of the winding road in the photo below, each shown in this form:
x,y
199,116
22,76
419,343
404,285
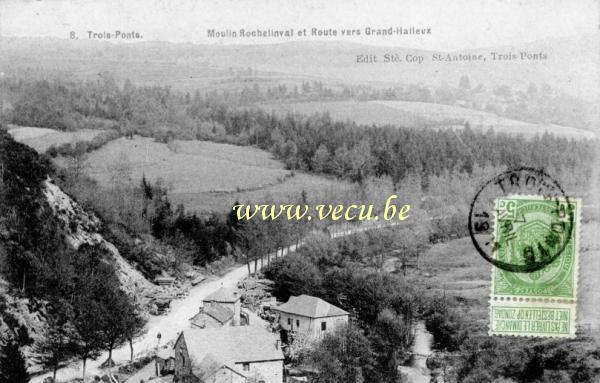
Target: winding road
x,y
177,319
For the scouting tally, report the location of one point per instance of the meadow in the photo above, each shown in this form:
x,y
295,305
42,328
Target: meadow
x,y
419,115
456,271
41,139
203,175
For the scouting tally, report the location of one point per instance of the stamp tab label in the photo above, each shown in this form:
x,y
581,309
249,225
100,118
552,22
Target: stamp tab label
x,y
542,302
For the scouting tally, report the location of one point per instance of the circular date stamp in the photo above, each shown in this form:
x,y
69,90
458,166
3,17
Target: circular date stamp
x,y
522,221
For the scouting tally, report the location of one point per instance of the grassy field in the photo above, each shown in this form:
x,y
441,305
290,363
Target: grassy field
x,y
204,176
456,270
41,139
420,114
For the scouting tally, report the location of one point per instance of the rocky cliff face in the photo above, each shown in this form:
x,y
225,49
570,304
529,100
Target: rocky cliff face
x,y
82,227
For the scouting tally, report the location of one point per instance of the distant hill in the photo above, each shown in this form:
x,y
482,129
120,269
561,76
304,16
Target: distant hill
x,y
571,67
572,63
421,115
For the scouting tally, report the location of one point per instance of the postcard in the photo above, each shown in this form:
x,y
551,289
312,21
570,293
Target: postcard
x,y
277,191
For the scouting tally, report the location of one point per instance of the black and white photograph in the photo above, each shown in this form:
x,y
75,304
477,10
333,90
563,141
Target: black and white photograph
x,y
235,191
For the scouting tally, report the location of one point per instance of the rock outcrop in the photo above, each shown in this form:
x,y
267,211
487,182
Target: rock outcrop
x,y
84,227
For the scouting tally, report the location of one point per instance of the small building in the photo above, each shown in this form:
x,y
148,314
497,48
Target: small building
x,y
228,298
229,352
310,315
212,314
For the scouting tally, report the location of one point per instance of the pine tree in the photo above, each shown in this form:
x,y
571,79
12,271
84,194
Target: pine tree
x,y
12,364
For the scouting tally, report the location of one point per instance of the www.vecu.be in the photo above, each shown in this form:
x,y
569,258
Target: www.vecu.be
x,y
333,212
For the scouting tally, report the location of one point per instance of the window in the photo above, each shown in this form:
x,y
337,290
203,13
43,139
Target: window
x,y
289,321
323,326
246,366
297,322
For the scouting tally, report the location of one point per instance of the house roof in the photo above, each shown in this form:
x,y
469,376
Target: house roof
x,y
309,306
211,365
233,344
166,353
216,311
223,295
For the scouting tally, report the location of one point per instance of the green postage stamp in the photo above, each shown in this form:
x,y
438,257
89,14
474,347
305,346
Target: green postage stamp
x,y
531,230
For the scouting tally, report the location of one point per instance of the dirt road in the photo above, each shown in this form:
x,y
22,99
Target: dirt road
x,y
171,324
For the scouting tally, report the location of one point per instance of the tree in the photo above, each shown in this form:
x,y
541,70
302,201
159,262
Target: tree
x,y
343,356
255,238
134,327
59,342
294,275
321,250
12,364
360,161
88,323
290,155
77,158
117,309
89,314
320,160
389,339
340,163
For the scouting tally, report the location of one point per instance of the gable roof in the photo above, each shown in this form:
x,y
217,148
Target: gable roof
x,y
166,353
309,306
232,344
223,295
216,311
211,365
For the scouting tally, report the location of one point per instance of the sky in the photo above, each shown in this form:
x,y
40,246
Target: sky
x,y
456,24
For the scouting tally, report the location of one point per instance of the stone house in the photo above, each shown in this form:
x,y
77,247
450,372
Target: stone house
x,y
310,315
219,304
212,314
230,352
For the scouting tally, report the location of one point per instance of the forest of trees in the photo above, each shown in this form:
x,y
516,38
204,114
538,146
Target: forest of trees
x,y
77,289
314,143
537,103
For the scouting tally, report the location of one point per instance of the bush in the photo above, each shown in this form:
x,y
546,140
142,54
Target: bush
x,y
445,326
79,148
294,275
52,151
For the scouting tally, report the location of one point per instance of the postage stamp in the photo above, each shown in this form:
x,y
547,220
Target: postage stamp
x,y
542,301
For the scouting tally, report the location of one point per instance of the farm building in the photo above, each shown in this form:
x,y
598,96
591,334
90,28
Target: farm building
x,y
230,352
310,315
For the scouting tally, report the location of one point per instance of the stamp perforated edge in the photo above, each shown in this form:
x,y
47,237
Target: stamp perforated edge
x,y
573,303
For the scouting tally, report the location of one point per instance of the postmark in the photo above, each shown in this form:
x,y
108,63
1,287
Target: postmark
x,y
543,302
521,181
526,226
